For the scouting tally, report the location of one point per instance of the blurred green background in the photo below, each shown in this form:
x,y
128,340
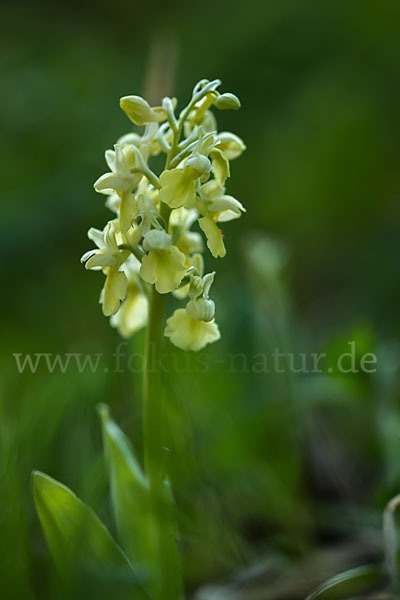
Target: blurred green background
x,y
266,466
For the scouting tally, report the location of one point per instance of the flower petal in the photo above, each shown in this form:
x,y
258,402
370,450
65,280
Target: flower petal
x,y
124,156
110,182
110,159
226,203
97,236
220,165
101,259
215,240
148,268
132,315
127,211
230,144
114,291
87,255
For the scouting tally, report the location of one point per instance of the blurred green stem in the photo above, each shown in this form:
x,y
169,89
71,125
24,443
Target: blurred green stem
x,y
152,413
169,585
153,423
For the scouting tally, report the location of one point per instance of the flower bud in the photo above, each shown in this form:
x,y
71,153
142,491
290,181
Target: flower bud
x,y
168,104
139,111
201,309
227,102
200,164
196,287
168,107
157,240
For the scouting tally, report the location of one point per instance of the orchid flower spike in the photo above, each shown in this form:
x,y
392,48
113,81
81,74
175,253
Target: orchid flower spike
x,y
150,241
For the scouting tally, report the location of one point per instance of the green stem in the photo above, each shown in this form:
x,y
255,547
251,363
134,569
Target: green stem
x,y
169,585
153,423
152,410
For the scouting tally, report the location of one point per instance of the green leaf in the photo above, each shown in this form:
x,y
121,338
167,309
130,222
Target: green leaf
x,y
82,547
172,575
350,583
130,498
390,539
137,526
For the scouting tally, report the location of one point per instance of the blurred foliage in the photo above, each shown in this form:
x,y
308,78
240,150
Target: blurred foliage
x,y
263,464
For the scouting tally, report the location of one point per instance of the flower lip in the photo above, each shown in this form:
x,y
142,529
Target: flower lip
x,y
188,333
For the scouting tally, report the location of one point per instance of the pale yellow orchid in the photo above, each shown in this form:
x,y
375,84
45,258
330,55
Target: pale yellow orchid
x,y
215,206
114,291
155,213
148,143
178,185
194,327
107,253
164,265
120,179
108,257
230,144
133,313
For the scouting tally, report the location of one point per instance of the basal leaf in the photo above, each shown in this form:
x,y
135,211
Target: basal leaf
x,y
349,584
82,547
130,497
172,575
147,546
